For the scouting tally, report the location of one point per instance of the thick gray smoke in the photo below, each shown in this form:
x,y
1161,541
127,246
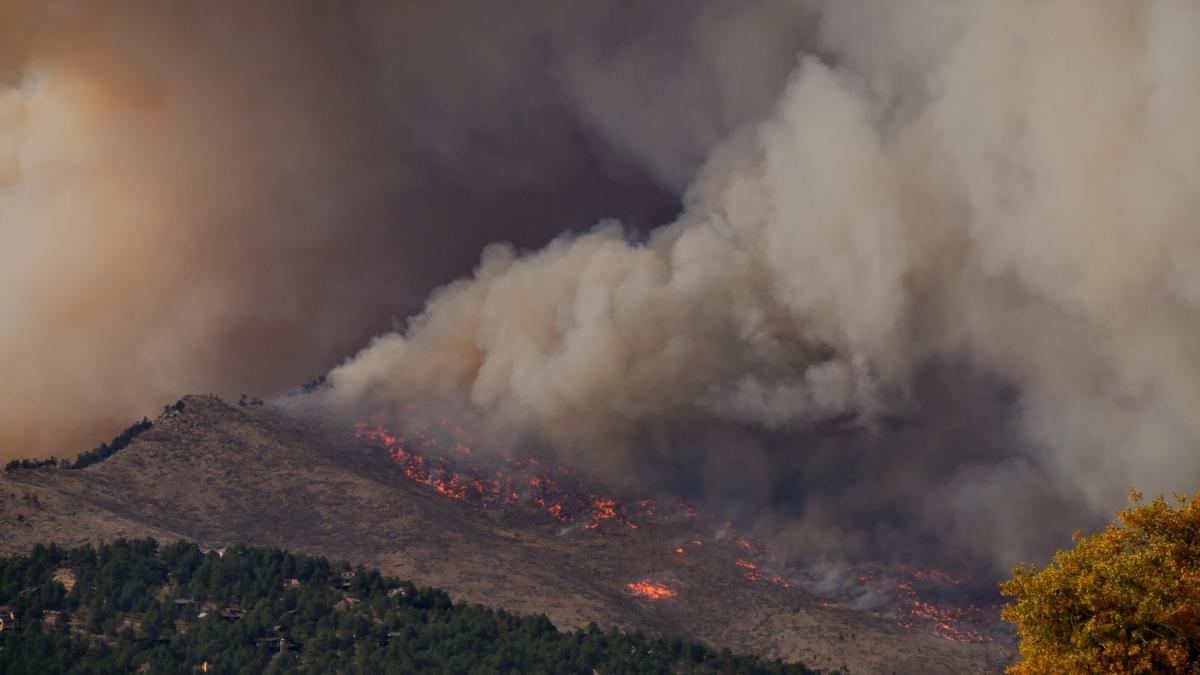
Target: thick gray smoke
x,y
231,196
945,294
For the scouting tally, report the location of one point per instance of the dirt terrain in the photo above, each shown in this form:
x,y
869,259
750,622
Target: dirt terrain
x,y
219,473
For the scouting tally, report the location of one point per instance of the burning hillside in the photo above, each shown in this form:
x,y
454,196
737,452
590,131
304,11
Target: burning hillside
x,y
928,600
446,464
896,281
650,590
443,458
306,483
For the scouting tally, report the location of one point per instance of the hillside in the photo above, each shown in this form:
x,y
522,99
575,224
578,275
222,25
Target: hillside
x,y
218,474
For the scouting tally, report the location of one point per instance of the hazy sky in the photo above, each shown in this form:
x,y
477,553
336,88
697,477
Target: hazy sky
x,y
235,197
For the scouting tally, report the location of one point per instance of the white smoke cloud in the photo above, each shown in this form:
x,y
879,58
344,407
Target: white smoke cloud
x,y
1011,186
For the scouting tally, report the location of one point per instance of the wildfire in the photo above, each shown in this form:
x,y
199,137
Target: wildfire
x,y
930,600
938,575
745,544
924,599
604,509
651,590
512,480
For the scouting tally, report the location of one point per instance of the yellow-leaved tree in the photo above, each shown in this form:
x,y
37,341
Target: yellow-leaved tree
x,y
1124,600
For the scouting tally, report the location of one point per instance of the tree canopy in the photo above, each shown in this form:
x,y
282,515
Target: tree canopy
x,y
1124,600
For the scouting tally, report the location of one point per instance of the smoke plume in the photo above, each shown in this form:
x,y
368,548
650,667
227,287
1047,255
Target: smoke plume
x,y
943,295
233,197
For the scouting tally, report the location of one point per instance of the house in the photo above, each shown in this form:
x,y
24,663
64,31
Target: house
x,y
8,621
398,591
291,583
277,643
232,613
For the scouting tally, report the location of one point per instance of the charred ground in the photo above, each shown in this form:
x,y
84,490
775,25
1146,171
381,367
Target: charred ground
x,y
218,473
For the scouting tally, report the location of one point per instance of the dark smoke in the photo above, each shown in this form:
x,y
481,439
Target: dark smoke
x,y
232,197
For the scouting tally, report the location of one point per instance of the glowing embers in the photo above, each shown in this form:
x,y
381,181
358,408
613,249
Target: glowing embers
x,y
436,472
745,544
651,590
604,508
930,600
752,572
509,480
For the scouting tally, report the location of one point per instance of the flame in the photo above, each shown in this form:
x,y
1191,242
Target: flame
x,y
555,490
678,550
746,564
651,590
948,618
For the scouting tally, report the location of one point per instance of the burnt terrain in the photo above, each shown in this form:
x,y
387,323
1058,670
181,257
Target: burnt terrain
x,y
525,537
